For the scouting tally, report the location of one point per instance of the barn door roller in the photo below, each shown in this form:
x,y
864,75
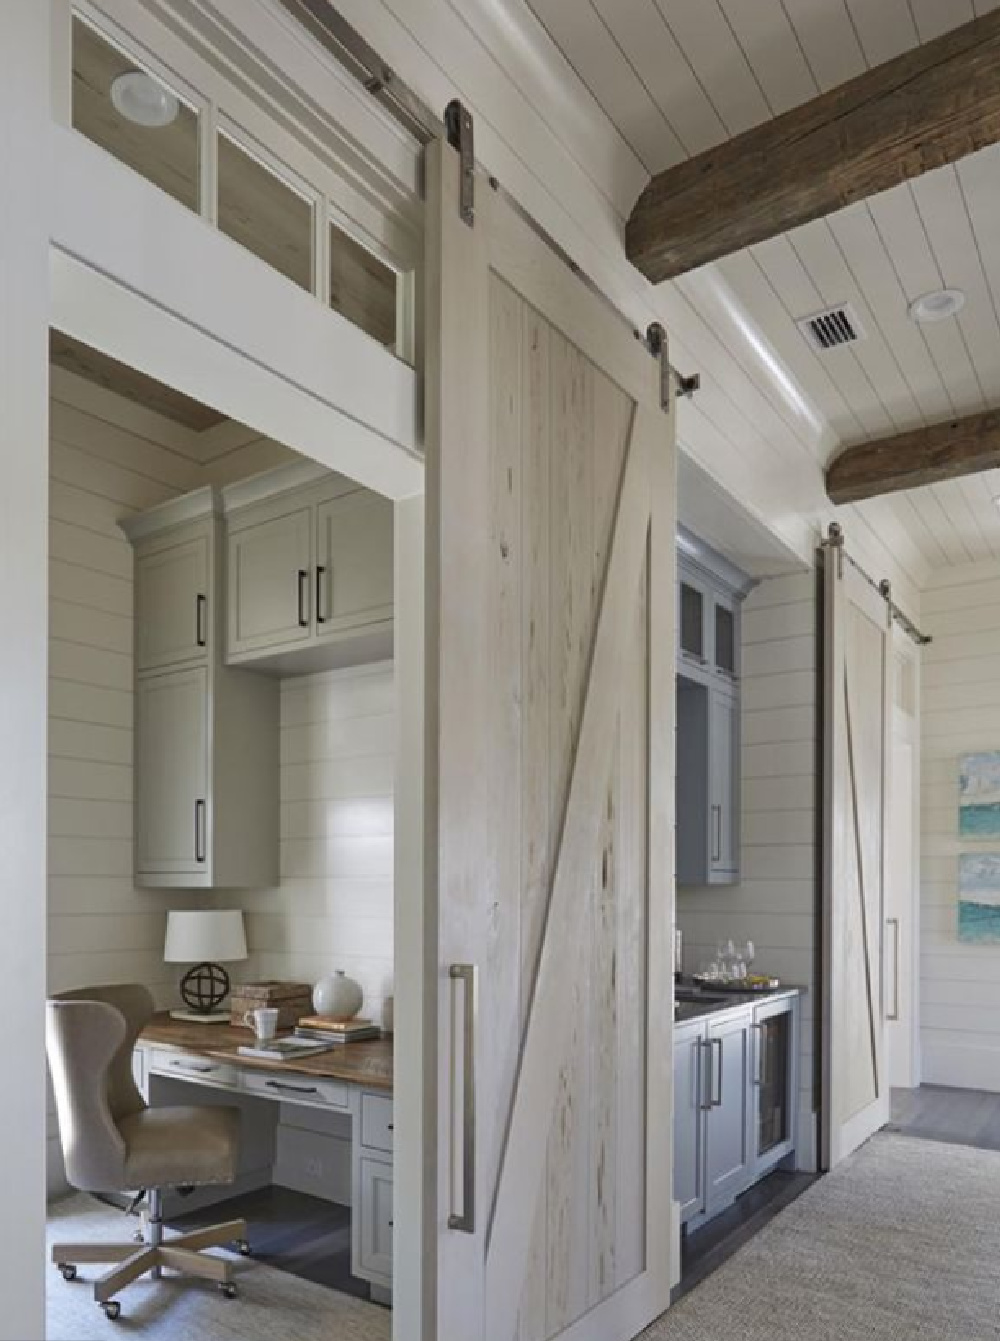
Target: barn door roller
x,y
458,127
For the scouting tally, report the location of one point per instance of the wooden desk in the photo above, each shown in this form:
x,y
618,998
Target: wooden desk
x,y
353,1079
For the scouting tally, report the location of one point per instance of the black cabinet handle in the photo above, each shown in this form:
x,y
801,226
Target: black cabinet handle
x,y
717,833
320,602
201,603
199,829
303,579
717,1100
291,1089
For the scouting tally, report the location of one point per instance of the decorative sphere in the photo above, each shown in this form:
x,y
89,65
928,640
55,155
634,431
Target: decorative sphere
x,y
205,987
338,997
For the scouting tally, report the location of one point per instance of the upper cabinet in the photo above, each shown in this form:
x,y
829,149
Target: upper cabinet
x,y
310,569
710,591
171,596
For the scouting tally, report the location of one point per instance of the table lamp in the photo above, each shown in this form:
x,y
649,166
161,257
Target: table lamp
x,y
202,937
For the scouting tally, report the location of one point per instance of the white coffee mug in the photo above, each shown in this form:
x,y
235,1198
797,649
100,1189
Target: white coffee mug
x,y
263,1021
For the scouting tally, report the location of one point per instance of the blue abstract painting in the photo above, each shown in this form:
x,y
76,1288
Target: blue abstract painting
x,y
979,795
979,897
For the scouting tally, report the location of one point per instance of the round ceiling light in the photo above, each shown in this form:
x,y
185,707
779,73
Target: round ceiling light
x,y
139,98
937,305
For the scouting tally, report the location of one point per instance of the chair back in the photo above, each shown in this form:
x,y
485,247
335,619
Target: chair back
x,y
89,1038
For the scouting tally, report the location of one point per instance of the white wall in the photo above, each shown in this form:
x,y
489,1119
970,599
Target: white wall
x,y
24,95
960,983
334,907
776,903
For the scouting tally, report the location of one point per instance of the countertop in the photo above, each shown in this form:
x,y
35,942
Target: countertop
x,y
365,1063
695,1002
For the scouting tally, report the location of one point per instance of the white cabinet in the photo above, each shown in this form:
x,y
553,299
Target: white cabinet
x,y
269,564
375,1220
309,571
173,622
206,737
172,773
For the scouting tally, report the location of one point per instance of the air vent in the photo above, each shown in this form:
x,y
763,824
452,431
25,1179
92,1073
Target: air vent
x,y
836,326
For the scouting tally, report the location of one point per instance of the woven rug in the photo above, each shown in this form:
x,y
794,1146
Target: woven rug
x,y
272,1305
900,1243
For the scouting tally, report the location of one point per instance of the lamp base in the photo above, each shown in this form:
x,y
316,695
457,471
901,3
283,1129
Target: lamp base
x,y
201,1016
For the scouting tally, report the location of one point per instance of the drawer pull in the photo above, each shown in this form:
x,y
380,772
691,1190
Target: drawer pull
x,y
291,1089
202,1069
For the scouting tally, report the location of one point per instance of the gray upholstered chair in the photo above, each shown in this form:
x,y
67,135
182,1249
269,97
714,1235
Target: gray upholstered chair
x,y
113,1142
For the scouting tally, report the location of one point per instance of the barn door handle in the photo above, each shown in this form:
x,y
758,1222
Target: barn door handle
x,y
303,592
199,619
467,974
894,923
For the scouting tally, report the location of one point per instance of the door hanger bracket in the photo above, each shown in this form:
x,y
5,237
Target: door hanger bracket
x,y
656,343
459,130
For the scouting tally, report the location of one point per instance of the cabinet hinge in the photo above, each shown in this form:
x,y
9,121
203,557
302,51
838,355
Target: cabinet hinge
x,y
459,129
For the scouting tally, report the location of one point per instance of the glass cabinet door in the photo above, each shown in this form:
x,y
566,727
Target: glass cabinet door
x,y
693,631
773,1088
725,637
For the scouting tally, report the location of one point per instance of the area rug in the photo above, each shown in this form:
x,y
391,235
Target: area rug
x,y
271,1306
900,1243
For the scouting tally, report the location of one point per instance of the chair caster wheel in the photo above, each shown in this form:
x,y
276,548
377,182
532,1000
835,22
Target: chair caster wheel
x,y
228,1289
112,1310
68,1271
242,1246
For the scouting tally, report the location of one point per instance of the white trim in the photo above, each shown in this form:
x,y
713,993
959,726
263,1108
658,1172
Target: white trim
x,y
281,480
175,512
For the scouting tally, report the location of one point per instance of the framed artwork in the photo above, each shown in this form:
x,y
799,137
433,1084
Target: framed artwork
x,y
979,897
979,795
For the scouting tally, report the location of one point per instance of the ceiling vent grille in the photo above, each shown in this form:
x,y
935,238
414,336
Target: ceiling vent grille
x,y
831,328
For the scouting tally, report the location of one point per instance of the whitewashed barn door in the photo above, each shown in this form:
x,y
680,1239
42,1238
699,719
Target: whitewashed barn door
x,y
550,517
858,708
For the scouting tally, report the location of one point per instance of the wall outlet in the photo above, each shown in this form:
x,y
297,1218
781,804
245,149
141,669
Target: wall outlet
x,y
314,1167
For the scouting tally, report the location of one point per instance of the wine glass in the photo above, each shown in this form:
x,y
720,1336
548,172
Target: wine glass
x,y
749,954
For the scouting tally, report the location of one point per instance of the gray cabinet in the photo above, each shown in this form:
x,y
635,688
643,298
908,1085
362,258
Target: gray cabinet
x,y
729,1153
269,566
735,1102
371,1189
309,571
723,785
206,736
689,1120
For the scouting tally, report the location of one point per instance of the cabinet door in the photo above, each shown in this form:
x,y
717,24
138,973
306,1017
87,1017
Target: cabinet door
x,y
171,603
774,1083
375,1239
693,615
689,1101
725,636
723,779
729,1158
269,582
354,577
173,812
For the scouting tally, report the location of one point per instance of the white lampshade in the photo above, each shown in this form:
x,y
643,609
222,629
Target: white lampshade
x,y
212,935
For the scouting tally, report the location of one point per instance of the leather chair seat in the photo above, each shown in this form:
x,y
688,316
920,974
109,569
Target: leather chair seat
x,y
172,1147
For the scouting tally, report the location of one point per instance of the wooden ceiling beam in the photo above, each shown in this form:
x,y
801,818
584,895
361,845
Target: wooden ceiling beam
x,y
928,107
922,456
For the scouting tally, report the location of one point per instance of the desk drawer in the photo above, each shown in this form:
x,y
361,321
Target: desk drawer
x,y
376,1122
188,1066
295,1088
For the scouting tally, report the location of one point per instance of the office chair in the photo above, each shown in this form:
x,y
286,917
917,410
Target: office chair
x,y
113,1142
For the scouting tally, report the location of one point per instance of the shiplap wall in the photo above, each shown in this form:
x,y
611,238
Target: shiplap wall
x,y
776,903
959,983
334,907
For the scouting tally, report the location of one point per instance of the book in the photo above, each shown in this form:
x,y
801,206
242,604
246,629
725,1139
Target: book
x,y
284,1049
338,1037
331,1026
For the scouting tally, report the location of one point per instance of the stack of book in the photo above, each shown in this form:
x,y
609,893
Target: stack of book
x,y
318,1027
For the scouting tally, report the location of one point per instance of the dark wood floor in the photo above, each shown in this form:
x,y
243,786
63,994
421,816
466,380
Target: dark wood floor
x,y
294,1232
707,1248
959,1117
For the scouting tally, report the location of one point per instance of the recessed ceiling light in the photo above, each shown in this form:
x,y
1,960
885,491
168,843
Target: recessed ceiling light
x,y
937,305
140,98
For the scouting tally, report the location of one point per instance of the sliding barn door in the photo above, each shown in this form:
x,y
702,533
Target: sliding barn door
x,y
858,707
550,515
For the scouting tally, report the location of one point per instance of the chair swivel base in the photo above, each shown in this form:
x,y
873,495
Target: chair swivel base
x,y
183,1253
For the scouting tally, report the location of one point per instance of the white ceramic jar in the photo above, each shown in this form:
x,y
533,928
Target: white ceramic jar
x,y
338,997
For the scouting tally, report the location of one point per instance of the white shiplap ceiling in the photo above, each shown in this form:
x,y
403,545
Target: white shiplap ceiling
x,y
677,76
